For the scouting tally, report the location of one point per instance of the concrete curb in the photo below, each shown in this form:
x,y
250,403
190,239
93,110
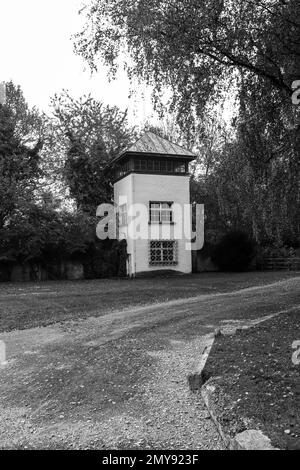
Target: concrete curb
x,y
195,378
251,439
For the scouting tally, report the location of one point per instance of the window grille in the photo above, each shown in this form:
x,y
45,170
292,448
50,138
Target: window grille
x,y
162,252
140,165
156,165
170,167
179,167
160,166
150,165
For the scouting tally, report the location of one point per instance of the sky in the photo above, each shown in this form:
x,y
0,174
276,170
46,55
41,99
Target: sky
x,y
36,52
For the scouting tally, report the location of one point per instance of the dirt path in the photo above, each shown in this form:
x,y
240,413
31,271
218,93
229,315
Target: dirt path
x,y
119,381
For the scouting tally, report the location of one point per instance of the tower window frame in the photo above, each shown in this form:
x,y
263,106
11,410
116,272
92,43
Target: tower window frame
x,y
161,212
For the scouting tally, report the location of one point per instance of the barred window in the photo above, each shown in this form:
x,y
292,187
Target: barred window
x,y
162,252
150,165
170,167
160,212
122,169
140,165
163,166
179,167
166,165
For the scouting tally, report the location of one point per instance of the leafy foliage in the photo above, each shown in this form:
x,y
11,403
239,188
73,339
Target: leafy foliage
x,y
20,146
203,52
43,235
195,48
28,123
90,135
33,226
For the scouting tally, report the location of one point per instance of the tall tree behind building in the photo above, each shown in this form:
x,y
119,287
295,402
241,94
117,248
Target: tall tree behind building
x,y
20,146
89,135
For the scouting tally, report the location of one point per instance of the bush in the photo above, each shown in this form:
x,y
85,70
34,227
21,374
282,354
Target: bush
x,y
42,236
234,252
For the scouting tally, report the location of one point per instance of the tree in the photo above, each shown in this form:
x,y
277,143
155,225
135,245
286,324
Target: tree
x,y
28,123
253,182
20,145
268,139
196,48
202,51
88,135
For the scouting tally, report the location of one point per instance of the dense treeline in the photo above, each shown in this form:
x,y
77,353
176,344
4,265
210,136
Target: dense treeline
x,y
53,169
51,181
248,50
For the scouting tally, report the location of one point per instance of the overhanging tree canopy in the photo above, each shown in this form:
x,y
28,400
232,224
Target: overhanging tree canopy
x,y
196,46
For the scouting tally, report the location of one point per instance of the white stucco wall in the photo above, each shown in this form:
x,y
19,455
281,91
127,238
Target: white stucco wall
x,y
123,192
142,188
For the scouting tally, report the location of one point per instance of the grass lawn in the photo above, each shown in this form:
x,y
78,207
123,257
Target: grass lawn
x,y
27,305
259,384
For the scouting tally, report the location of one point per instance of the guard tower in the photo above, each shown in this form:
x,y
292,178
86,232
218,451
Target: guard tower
x,y
154,173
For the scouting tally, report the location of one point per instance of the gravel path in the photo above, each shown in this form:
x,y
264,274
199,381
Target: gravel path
x,y
160,413
178,418
119,381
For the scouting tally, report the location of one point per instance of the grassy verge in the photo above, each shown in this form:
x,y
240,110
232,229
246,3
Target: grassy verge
x,y
27,305
259,382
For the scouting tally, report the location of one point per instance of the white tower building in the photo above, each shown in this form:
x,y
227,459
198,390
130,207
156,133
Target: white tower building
x,y
153,174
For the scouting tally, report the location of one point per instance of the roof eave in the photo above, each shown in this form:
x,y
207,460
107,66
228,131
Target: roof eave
x,y
152,154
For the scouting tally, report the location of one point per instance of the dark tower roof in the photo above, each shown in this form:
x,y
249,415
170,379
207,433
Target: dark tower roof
x,y
150,143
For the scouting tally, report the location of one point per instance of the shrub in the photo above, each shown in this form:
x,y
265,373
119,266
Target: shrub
x,y
234,252
40,235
